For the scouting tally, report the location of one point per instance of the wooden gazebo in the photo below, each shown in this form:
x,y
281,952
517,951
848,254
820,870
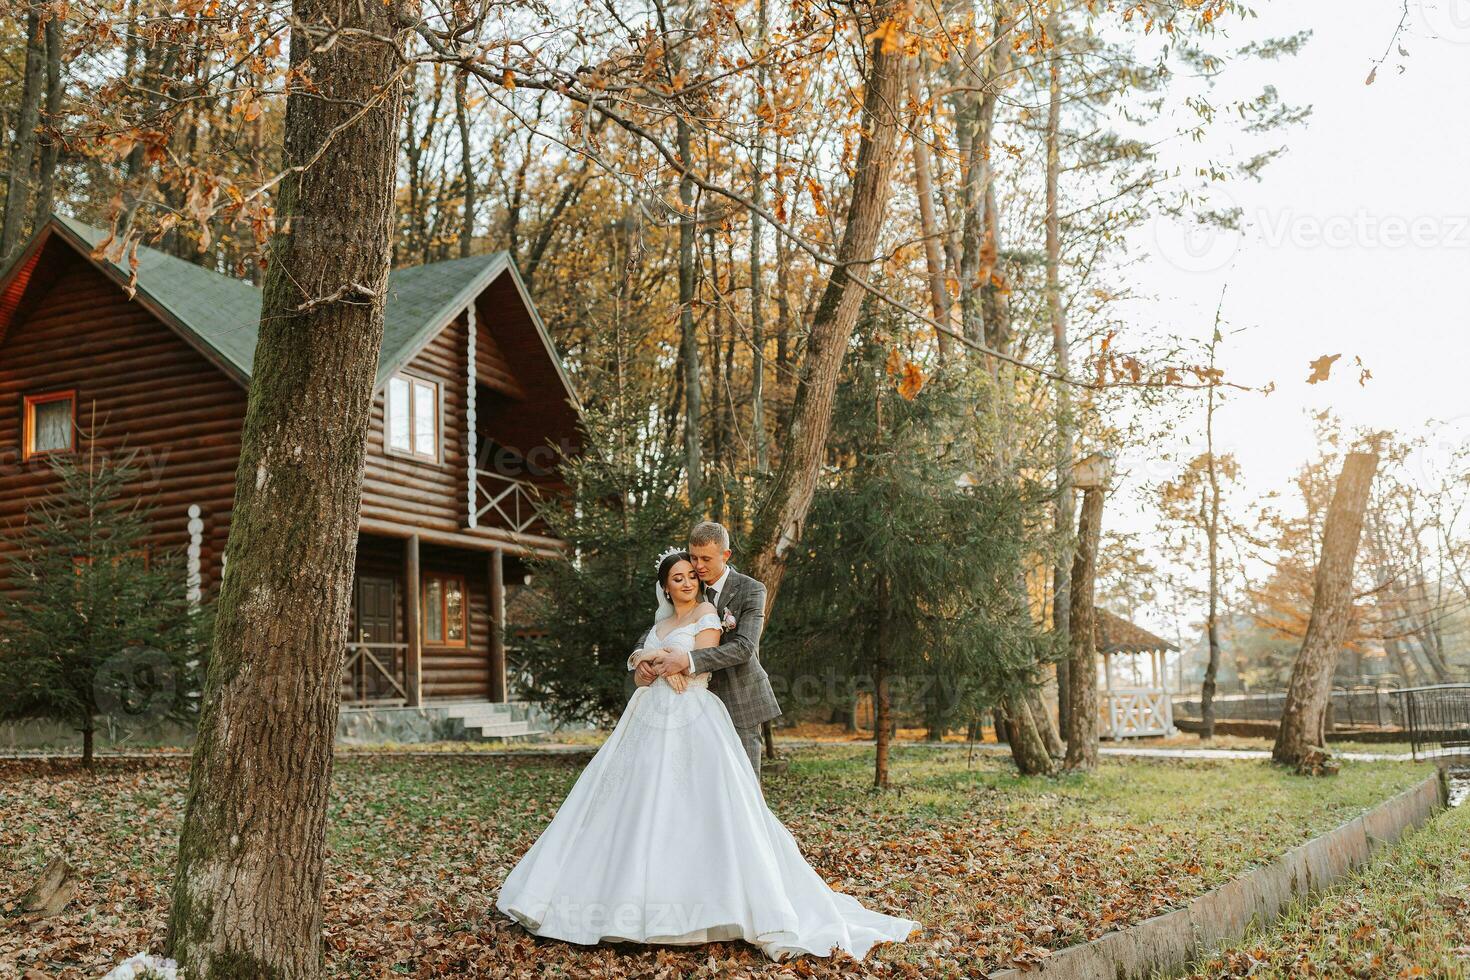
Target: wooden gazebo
x,y
1142,705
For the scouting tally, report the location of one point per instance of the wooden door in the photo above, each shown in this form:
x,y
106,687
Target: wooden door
x,y
375,610
375,661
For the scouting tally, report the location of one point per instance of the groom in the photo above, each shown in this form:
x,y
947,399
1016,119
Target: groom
x,y
737,677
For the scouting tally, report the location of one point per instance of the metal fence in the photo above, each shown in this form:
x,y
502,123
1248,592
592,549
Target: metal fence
x,y
1436,715
1351,707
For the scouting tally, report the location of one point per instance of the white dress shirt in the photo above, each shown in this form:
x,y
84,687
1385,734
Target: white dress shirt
x,y
717,587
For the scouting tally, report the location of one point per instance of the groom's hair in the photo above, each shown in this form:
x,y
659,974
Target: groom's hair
x,y
710,532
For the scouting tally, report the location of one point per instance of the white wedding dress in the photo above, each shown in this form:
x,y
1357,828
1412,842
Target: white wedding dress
x,y
666,838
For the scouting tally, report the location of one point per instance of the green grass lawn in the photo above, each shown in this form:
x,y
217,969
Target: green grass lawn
x,y
1407,914
998,867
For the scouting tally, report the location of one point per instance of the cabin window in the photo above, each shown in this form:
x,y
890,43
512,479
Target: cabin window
x,y
49,423
412,411
444,610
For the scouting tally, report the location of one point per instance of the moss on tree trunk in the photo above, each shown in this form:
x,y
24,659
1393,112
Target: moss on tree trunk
x,y
247,895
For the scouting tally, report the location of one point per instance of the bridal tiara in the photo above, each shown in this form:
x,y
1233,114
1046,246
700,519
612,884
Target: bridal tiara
x,y
657,562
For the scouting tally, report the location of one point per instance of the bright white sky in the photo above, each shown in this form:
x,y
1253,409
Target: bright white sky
x,y
1357,241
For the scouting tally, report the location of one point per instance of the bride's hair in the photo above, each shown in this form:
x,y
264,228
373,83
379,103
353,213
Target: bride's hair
x,y
667,565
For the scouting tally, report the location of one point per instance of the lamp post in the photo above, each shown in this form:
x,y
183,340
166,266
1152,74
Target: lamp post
x,y
1091,475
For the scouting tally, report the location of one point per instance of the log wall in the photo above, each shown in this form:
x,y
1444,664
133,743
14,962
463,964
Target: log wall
x,y
150,389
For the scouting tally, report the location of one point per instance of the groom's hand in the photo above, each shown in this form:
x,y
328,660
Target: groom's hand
x,y
644,675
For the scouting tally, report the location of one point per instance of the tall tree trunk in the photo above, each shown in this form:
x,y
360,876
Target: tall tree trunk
x,y
466,163
1212,541
778,521
882,701
23,151
89,740
1082,673
1065,513
1303,718
757,288
247,895
928,223
688,342
50,144
979,242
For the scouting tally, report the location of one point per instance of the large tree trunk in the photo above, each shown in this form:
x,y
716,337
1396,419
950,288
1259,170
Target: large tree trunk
x,y
785,505
1028,746
1082,672
1065,514
23,151
247,896
1303,719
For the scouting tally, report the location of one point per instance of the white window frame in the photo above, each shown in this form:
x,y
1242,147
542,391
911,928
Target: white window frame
x,y
412,451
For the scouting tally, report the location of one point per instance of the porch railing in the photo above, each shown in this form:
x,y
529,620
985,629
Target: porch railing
x,y
1126,712
505,501
375,673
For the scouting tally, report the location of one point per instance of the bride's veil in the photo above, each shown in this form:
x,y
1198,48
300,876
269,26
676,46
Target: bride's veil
x,y
665,607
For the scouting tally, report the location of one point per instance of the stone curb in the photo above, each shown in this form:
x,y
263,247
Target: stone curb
x,y
1168,943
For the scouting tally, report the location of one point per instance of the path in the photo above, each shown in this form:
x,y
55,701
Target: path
x,y
569,748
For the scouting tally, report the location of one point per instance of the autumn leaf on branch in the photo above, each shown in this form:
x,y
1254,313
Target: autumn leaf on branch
x,y
888,34
911,382
907,374
1321,368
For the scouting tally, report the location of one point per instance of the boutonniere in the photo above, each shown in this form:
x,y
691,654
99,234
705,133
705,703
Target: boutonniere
x,y
729,621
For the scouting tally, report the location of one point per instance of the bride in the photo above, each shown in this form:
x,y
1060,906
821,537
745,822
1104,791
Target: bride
x,y
674,765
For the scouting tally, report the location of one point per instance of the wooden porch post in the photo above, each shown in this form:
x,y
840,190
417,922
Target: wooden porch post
x,y
498,691
413,661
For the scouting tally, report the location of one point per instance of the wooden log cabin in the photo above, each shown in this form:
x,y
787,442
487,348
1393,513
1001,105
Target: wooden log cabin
x,y
471,415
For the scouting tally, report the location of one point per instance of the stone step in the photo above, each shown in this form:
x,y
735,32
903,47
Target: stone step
x,y
490,711
502,730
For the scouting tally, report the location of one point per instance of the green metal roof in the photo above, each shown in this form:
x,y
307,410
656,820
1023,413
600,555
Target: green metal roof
x,y
224,313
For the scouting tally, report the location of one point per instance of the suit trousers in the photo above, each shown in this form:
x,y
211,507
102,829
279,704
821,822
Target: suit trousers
x,y
751,738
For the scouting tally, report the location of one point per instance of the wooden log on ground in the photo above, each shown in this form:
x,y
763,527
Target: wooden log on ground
x,y
52,890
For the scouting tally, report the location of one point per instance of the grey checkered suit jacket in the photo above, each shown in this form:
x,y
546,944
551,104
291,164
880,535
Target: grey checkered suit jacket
x,y
737,677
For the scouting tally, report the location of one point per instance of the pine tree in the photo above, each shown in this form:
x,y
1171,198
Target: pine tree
x,y
903,581
587,614
94,624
